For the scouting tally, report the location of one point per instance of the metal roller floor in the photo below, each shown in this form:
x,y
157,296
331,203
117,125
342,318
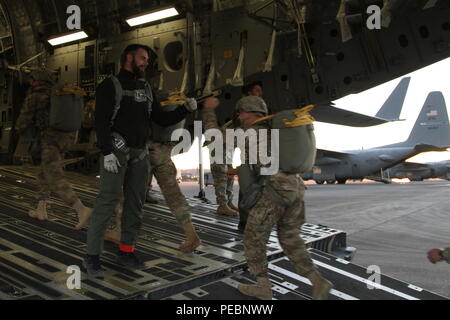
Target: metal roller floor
x,y
35,256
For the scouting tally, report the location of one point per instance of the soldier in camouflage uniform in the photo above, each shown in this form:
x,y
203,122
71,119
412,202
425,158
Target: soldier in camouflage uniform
x,y
223,185
267,213
438,255
165,173
35,114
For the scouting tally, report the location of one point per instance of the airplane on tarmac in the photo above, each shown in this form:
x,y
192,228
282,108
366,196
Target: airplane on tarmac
x,y
431,132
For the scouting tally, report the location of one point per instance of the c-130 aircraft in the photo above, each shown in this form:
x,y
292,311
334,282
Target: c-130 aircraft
x,y
431,132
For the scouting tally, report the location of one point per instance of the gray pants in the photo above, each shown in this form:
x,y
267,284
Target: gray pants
x,y
133,180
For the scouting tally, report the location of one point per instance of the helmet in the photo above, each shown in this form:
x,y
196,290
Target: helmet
x,y
252,104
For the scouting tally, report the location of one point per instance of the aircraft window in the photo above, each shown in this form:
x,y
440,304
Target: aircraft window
x,y
3,116
173,56
424,32
403,40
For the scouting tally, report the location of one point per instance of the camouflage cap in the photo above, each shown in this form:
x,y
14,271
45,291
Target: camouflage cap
x,y
252,104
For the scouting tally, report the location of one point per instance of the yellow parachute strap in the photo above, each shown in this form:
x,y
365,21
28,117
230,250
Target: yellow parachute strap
x,y
263,119
303,118
71,89
175,98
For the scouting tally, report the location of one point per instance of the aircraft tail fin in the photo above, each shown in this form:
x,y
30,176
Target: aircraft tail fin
x,y
392,108
432,126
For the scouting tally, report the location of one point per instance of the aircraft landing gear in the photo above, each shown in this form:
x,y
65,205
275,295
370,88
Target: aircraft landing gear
x,y
320,181
331,181
342,181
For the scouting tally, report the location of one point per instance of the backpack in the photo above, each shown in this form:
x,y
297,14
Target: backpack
x,y
297,142
66,108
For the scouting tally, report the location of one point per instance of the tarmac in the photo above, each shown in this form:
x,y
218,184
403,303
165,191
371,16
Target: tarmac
x,y
391,226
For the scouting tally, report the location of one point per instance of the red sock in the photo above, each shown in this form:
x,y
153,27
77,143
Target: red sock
x,y
125,248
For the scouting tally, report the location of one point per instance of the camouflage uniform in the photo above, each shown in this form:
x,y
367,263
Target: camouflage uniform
x,y
35,112
223,186
267,213
165,173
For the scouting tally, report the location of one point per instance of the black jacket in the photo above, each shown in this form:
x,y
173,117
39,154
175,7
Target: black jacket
x,y
132,121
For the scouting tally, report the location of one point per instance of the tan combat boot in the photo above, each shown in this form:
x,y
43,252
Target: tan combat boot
x,y
321,286
114,235
192,240
84,214
226,211
232,206
261,290
40,212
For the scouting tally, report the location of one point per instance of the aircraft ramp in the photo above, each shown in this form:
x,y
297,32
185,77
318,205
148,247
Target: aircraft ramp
x,y
35,256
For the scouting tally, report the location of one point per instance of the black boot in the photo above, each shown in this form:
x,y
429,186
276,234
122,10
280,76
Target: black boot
x,y
130,260
93,267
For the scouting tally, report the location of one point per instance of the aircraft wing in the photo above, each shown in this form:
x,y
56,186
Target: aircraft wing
x,y
327,157
330,114
428,148
413,165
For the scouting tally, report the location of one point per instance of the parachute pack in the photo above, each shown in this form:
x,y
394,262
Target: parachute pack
x,y
297,142
66,107
297,153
